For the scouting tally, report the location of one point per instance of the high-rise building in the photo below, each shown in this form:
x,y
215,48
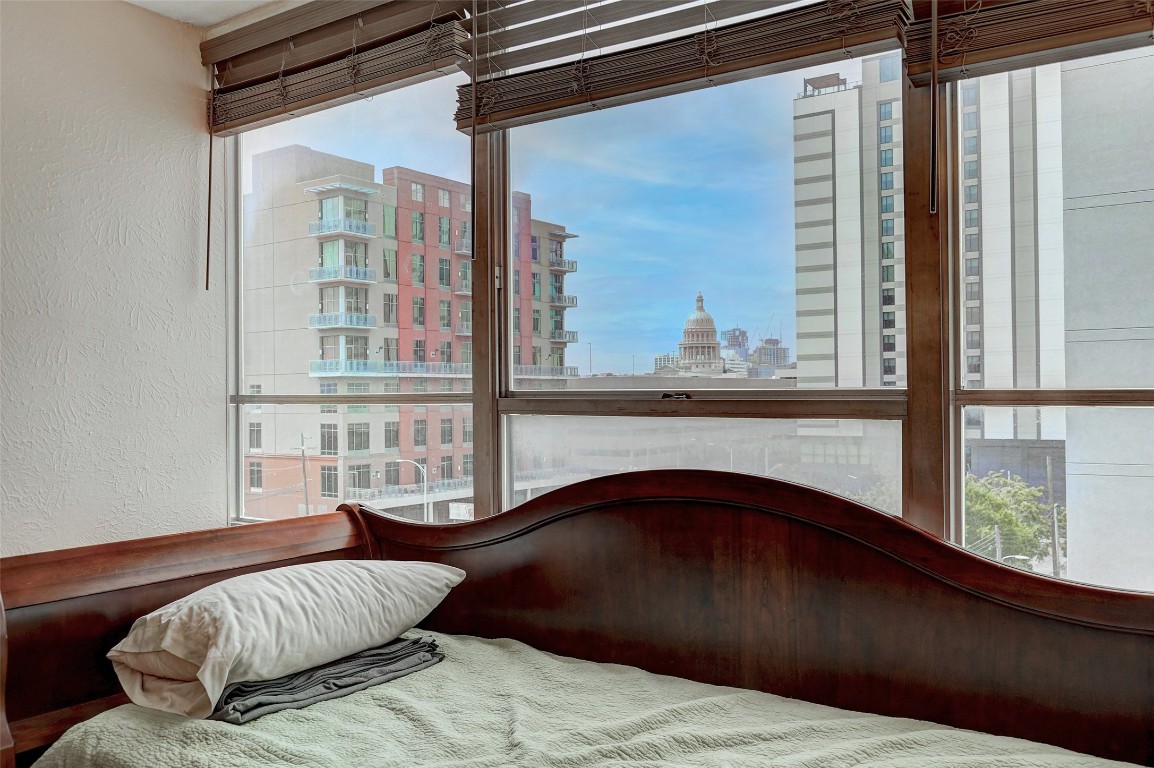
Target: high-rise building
x,y
849,238
359,286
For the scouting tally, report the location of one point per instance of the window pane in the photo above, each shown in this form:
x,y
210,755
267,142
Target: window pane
x,y
367,456
1093,467
612,221
857,459
1064,225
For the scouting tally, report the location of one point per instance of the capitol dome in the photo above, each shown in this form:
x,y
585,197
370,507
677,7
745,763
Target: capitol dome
x,y
699,352
699,318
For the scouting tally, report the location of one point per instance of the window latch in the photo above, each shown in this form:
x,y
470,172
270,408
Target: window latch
x,y
676,396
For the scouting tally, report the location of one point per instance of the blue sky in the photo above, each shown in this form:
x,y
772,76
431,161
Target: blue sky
x,y
669,196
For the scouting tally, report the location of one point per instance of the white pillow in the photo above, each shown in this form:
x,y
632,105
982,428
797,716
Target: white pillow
x,y
260,626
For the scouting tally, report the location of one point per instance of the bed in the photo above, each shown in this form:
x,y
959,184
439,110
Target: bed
x,y
724,579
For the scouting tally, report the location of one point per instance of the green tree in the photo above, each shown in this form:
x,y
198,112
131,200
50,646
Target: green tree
x,y
1020,512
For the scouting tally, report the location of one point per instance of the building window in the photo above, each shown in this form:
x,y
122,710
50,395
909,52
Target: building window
x,y
330,480
973,363
446,432
973,339
969,121
888,273
418,192
389,350
888,250
467,354
969,94
446,385
886,110
973,417
389,309
420,432
516,319
328,388
255,475
418,269
534,248
357,388
889,68
443,198
889,343
358,437
889,320
419,311
973,315
444,272
887,227
536,355
888,298
536,322
516,354
255,437
446,353
886,180
418,227
446,467
886,158
887,203
973,243
420,385
467,430
971,193
973,291
393,473
466,202
419,351
885,134
445,314
970,169
889,366
467,465
973,267
329,440
970,145
392,435
356,347
973,217
359,476
389,222
443,231
535,279
516,282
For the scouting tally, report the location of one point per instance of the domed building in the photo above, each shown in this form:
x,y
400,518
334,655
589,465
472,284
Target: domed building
x,y
700,349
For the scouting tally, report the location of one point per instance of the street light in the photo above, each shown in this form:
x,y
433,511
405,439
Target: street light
x,y
424,483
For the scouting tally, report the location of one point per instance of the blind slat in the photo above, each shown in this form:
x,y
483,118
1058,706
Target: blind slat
x,y
284,25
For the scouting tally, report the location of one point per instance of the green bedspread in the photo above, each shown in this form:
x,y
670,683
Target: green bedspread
x,y
502,703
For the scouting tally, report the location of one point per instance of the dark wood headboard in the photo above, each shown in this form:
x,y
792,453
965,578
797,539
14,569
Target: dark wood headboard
x,y
724,578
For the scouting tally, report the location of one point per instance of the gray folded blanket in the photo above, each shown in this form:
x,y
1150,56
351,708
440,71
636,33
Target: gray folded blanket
x,y
248,700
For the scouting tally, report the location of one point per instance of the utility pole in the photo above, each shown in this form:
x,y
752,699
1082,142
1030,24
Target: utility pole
x,y
998,543
304,474
1054,549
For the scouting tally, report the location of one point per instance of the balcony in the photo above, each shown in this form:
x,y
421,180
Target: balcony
x,y
353,274
342,320
562,265
569,337
463,288
561,300
342,226
386,368
463,329
544,371
464,248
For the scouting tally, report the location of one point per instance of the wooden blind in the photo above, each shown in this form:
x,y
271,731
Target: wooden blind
x,y
984,38
329,53
813,34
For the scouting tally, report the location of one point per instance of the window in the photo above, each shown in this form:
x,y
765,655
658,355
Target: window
x,y
971,193
389,309
358,388
255,475
466,202
973,267
886,180
418,227
889,320
972,217
887,203
973,291
417,192
389,350
329,440
535,279
444,272
328,388
889,366
970,145
446,433
467,430
418,269
888,249
445,314
443,232
887,227
534,248
516,319
890,68
358,437
516,282
356,347
969,94
970,169
255,436
885,134
973,315
536,322
446,352
389,221
443,198
419,311
973,339
418,350
467,353
420,385
886,110
969,121
888,297
420,432
359,476
973,364
886,158
393,473
392,435
330,479
973,243
889,343
446,385
446,468
888,273
516,354
356,300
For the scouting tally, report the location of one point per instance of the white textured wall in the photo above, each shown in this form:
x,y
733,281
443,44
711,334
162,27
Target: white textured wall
x,y
112,352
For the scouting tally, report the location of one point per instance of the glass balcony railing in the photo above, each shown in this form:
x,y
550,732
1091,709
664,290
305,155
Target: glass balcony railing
x,y
387,368
561,300
358,274
464,247
463,287
564,265
464,329
342,320
350,226
530,371
566,336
